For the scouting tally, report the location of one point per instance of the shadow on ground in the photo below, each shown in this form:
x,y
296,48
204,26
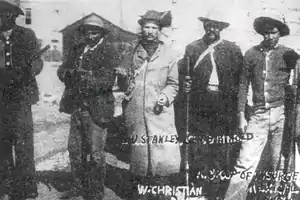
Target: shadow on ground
x,y
116,180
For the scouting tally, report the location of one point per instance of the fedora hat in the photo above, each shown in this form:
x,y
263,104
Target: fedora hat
x,y
164,18
94,23
217,17
8,5
276,20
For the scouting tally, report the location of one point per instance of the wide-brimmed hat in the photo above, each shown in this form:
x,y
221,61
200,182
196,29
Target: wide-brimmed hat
x,y
274,19
217,17
94,23
11,5
164,19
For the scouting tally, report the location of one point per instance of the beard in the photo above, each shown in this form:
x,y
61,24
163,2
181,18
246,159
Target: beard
x,y
211,37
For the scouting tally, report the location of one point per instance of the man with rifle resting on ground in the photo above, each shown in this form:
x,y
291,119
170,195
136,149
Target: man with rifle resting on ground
x,y
89,77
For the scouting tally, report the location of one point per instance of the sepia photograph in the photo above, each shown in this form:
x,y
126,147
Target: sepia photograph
x,y
149,99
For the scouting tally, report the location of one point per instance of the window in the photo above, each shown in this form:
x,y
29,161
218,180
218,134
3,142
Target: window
x,y
27,15
54,41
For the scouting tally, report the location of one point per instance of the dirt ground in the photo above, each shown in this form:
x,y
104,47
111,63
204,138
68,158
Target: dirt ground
x,y
51,136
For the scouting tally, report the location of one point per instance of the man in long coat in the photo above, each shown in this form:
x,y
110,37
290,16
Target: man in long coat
x,y
151,82
215,65
19,91
267,68
89,76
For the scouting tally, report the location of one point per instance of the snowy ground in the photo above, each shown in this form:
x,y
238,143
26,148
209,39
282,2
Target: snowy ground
x,y
51,133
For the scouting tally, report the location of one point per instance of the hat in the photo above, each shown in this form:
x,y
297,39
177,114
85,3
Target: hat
x,y
276,20
216,17
94,23
11,5
164,18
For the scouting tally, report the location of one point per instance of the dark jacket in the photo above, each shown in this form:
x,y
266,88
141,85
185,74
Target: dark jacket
x,y
18,49
102,62
267,76
228,58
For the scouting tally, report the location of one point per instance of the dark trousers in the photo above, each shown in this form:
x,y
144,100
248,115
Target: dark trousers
x,y
18,150
88,179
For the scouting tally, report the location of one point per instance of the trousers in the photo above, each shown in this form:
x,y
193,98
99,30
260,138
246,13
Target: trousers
x,y
88,178
17,151
262,153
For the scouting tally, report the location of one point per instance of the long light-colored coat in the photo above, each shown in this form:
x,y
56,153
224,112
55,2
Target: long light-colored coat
x,y
159,76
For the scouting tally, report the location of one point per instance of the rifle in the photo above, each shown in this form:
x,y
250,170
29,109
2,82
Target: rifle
x,y
186,161
294,113
38,54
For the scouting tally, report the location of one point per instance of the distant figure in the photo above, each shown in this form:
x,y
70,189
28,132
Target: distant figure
x,y
266,69
149,77
215,68
19,91
89,76
56,54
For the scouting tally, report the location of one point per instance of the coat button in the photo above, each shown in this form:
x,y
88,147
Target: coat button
x,y
266,93
8,63
7,42
8,54
264,72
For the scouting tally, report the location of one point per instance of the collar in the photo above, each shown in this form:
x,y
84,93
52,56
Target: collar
x,y
7,34
89,48
263,49
142,53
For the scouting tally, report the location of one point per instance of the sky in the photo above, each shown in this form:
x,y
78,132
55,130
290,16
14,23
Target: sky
x,y
125,13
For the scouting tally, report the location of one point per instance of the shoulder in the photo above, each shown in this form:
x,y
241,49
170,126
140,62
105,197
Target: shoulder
x,y
253,51
289,56
193,45
24,32
231,45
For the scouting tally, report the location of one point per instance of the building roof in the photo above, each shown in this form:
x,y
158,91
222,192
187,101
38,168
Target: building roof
x,y
115,30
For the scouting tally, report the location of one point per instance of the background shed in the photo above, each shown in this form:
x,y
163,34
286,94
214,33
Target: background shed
x,y
71,35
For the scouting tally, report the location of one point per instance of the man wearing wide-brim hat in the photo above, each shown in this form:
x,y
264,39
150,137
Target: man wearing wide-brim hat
x,y
213,83
89,76
149,77
19,91
267,68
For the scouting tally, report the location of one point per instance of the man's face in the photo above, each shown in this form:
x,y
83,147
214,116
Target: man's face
x,y
150,30
92,37
6,20
212,31
271,36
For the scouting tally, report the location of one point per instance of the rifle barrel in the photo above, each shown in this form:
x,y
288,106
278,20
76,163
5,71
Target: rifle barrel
x,y
187,170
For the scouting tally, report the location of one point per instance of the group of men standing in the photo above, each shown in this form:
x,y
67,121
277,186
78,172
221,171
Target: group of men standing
x,y
156,82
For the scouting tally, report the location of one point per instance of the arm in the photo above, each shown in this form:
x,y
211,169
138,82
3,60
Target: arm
x,y
172,84
66,66
245,76
237,61
32,49
124,70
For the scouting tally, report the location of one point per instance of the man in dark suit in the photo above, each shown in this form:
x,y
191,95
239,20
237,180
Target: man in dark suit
x,y
89,76
19,91
213,85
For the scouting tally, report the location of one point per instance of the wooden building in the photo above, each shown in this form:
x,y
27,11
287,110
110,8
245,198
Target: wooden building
x,y
71,34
